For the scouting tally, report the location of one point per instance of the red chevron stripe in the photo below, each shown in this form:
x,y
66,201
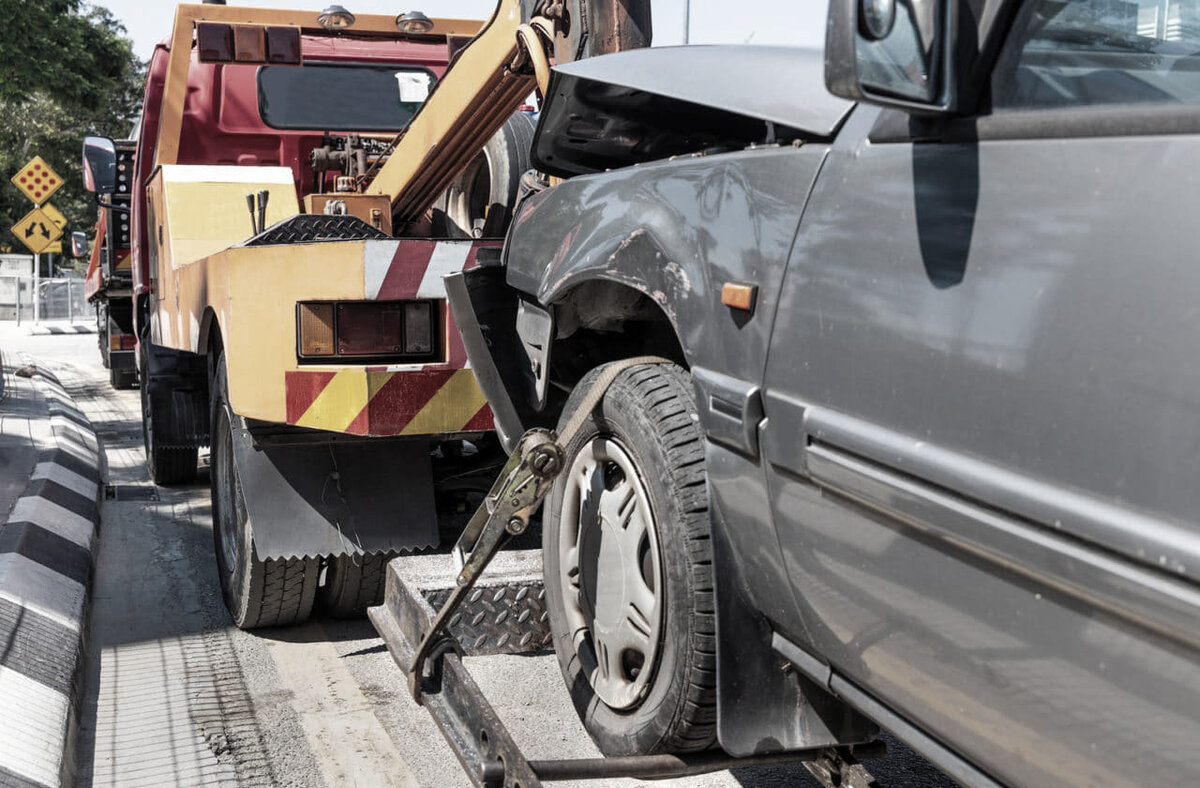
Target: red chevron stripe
x,y
302,389
406,270
481,421
402,398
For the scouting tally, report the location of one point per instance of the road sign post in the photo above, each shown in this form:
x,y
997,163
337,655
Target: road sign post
x,y
40,228
37,180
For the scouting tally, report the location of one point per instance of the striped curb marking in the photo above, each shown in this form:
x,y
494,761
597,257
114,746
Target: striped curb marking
x,y
73,328
46,554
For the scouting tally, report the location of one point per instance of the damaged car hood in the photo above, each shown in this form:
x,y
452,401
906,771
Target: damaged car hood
x,y
647,104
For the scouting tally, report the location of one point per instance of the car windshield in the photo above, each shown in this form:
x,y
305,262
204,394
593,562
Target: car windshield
x,y
341,97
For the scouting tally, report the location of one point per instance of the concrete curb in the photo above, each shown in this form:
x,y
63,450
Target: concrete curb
x,y
47,550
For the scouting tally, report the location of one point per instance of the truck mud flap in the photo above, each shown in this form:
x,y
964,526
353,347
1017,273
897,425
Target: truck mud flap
x,y
337,498
505,614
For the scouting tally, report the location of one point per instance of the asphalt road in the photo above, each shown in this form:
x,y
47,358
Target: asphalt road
x,y
178,696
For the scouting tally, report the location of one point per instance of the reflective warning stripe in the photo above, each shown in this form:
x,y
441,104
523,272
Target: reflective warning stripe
x,y
396,270
412,402
339,403
455,403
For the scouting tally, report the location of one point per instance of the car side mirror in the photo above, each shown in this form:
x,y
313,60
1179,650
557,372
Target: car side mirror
x,y
79,245
894,53
99,165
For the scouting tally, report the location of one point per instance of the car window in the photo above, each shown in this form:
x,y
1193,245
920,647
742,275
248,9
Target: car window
x,y
1073,53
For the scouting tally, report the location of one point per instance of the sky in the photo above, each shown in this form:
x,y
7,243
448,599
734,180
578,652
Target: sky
x,y
789,22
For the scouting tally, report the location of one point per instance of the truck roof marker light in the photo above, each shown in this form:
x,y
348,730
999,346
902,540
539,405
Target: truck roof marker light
x,y
214,42
283,45
252,44
414,22
335,18
249,44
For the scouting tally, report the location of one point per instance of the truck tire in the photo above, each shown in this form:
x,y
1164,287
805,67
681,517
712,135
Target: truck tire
x,y
167,464
480,201
102,333
628,568
122,378
258,593
353,583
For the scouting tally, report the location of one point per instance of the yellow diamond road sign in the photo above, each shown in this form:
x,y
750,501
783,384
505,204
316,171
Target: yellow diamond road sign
x,y
37,231
55,215
37,181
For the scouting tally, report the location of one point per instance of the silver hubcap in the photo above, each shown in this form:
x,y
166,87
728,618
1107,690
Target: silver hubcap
x,y
611,572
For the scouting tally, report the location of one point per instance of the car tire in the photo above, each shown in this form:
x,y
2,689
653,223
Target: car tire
x,y
167,465
627,520
480,201
257,592
353,583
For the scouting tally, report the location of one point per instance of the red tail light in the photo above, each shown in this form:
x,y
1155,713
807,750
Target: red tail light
x,y
370,329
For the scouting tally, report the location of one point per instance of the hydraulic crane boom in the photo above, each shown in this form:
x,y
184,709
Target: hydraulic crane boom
x,y
484,85
488,81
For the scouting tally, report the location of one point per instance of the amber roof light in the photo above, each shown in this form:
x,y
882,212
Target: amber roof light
x,y
414,22
335,18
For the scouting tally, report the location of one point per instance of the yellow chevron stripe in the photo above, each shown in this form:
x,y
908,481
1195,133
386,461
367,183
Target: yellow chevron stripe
x,y
340,402
455,404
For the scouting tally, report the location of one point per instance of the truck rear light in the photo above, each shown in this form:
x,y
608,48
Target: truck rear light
x,y
367,329
418,328
316,329
122,342
220,43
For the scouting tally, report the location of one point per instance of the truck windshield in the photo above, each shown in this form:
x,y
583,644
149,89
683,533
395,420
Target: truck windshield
x,y
341,98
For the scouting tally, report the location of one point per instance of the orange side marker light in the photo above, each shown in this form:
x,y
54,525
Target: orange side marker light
x,y
738,296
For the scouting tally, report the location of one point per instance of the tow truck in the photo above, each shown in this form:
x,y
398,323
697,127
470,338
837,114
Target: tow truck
x,y
108,284
302,181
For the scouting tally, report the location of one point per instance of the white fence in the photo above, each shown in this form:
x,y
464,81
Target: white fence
x,y
58,299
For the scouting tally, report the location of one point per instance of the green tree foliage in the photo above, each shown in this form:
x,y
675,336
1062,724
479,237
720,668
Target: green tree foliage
x,y
66,70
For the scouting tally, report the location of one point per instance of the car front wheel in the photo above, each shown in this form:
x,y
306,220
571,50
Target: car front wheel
x,y
628,568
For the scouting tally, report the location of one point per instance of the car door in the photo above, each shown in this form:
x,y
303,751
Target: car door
x,y
982,407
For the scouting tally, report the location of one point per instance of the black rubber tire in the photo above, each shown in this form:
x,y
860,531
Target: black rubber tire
x,y
167,465
102,333
353,583
258,593
122,378
649,411
480,201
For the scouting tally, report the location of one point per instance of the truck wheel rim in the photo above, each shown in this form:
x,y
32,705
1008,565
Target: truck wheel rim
x,y
611,572
226,514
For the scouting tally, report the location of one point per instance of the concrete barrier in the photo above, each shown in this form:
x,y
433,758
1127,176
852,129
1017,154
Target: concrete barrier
x,y
47,550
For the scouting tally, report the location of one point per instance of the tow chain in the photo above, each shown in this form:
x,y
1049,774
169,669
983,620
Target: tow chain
x,y
517,493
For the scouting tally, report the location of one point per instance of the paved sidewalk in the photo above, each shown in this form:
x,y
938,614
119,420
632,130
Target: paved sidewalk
x,y
47,543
